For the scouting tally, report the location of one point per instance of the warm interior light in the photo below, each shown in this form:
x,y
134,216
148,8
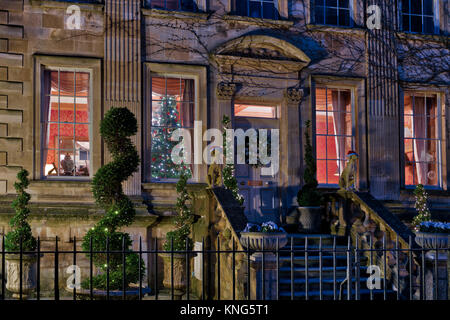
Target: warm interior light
x,y
255,111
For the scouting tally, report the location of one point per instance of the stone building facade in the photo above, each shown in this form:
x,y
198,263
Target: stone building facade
x,y
382,91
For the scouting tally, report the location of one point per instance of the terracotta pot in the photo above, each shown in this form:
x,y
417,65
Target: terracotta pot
x,y
309,219
28,274
255,240
179,273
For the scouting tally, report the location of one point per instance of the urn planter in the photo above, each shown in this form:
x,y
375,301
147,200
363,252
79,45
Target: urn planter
x,y
28,274
432,241
257,241
179,281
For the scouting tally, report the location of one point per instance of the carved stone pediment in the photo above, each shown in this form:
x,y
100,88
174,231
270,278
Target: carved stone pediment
x,y
261,51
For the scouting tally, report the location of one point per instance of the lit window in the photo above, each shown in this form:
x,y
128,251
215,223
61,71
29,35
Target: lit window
x,y
257,8
173,107
422,140
334,133
418,16
252,111
181,5
66,122
332,12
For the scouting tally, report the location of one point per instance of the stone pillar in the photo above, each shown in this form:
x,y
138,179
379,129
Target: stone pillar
x,y
442,276
290,147
256,276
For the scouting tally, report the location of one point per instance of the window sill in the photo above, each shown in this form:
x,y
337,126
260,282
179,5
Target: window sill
x,y
88,6
336,29
169,14
422,36
267,23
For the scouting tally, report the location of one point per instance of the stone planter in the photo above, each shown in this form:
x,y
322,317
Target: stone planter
x,y
255,240
179,273
309,219
432,241
28,274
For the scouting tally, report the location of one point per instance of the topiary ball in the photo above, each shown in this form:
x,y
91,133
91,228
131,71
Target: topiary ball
x,y
118,122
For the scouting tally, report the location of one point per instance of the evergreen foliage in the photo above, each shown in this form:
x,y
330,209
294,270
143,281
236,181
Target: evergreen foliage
x,y
229,180
179,238
309,196
20,229
421,205
116,128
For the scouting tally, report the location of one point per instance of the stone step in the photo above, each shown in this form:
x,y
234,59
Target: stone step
x,y
329,294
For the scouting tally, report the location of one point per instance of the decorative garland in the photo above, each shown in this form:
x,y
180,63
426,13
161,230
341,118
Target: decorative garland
x,y
421,205
229,180
116,128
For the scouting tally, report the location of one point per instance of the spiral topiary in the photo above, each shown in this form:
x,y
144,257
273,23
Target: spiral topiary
x,y
20,229
116,128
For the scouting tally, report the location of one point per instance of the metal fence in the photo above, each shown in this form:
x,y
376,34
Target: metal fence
x,y
306,268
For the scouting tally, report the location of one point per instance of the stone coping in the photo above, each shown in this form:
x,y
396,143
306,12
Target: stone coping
x,y
270,23
169,14
64,5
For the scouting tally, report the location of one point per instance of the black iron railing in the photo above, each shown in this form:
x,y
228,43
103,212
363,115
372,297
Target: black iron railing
x,y
308,267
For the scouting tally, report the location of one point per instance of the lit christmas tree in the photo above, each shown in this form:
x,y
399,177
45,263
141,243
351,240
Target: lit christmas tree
x,y
168,118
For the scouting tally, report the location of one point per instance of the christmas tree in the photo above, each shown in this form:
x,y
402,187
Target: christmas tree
x,y
167,118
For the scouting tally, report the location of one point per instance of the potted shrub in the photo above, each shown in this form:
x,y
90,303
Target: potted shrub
x,y
429,234
265,236
309,213
20,238
116,128
178,241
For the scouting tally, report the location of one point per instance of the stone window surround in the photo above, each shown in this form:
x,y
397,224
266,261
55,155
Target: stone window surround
x,y
357,87
94,66
445,156
199,74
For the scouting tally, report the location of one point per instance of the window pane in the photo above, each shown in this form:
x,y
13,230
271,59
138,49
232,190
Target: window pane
x,y
416,6
428,7
322,171
269,10
331,16
321,99
343,3
333,172
416,23
321,122
321,147
67,83
344,17
405,23
319,15
255,9
254,111
320,3
331,3
428,25
405,6
82,84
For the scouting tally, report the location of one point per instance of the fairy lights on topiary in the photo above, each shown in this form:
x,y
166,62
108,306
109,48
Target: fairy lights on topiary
x,y
421,205
20,229
116,128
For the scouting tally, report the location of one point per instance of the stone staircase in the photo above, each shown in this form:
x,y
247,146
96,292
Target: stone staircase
x,y
334,266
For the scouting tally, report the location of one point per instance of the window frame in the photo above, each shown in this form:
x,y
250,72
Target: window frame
x,y
71,64
436,18
350,9
195,7
278,7
196,73
354,115
442,139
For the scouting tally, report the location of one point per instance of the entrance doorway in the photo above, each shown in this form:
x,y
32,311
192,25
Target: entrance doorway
x,y
260,192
